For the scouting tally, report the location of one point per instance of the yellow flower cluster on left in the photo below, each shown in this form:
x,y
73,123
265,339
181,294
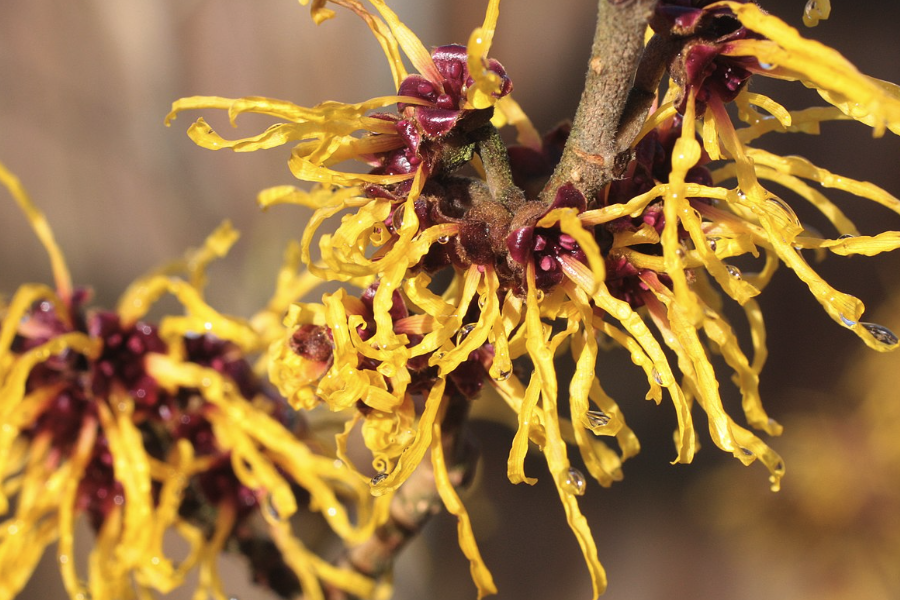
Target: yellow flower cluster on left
x,y
146,429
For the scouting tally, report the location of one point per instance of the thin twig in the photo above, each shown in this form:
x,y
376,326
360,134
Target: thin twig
x,y
414,503
609,112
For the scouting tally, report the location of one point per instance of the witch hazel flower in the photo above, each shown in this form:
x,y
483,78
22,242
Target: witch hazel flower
x,y
454,82
150,428
490,280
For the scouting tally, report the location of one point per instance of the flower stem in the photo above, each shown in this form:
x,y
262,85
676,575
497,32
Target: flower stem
x,y
495,158
617,96
413,505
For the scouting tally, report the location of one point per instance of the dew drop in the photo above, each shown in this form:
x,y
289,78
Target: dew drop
x,y
881,333
787,210
63,559
443,239
502,375
269,507
846,236
574,482
813,13
847,322
733,271
712,243
464,331
747,451
482,300
680,253
657,377
379,478
597,418
539,294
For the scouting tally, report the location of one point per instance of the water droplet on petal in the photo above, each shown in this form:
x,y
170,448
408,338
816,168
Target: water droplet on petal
x,y
539,294
881,333
747,451
482,300
733,271
464,331
502,375
657,377
443,239
712,243
269,507
846,236
813,13
787,210
847,322
379,478
574,482
597,418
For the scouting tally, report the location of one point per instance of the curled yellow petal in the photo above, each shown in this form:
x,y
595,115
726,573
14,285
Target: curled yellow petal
x,y
817,66
410,43
480,573
487,84
508,112
865,245
413,454
41,228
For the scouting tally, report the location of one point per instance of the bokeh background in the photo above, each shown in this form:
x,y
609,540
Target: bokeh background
x,y
84,87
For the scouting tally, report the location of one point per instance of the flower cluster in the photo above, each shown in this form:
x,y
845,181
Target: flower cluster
x,y
147,429
465,278
474,289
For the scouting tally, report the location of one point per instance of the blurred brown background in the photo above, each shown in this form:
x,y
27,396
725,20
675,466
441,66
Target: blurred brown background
x,y
84,87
